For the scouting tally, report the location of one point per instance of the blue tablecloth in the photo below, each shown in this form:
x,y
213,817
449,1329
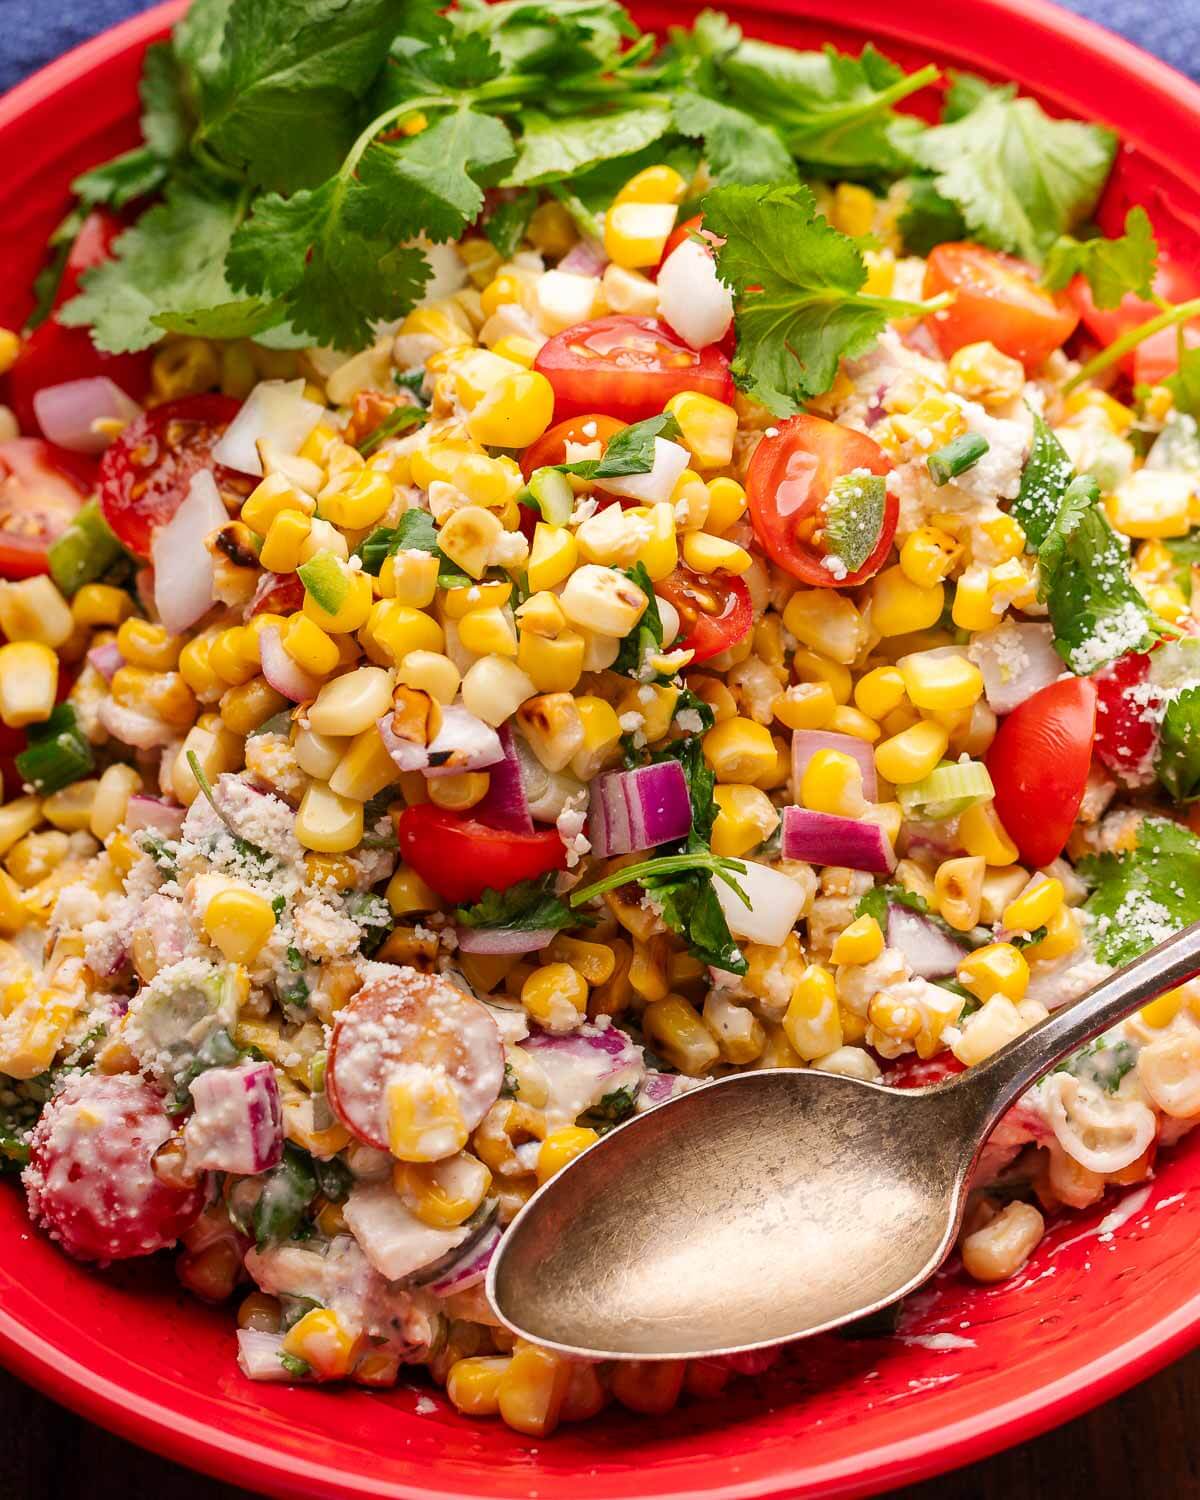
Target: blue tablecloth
x,y
34,31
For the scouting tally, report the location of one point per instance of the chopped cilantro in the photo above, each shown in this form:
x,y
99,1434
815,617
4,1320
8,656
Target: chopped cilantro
x,y
1142,895
396,422
298,1367
646,637
1113,268
527,906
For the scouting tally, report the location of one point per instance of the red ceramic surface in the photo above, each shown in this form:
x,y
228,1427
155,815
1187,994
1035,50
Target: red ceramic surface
x,y
974,1368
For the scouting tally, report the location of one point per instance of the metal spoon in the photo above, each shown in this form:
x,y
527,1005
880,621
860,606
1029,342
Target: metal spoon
x,y
772,1205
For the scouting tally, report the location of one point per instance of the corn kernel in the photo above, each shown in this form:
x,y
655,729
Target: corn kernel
x,y
745,817
425,1122
554,666
981,373
34,610
1062,937
239,922
912,754
812,1023
657,184
555,996
832,783
351,703
995,969
328,823
928,555
826,621
365,769
309,646
514,413
636,233
28,683
494,687
739,750
100,604
560,1148
726,504
674,1028
899,606
981,832
473,1385
321,1340
1041,899
805,705
973,601
860,943
244,709
707,430
532,1390
713,554
878,692
940,682
958,891
488,631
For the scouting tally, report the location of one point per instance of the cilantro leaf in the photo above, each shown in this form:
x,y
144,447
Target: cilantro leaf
x,y
1044,480
505,226
646,636
135,174
927,219
1184,384
1112,268
1078,498
797,292
631,451
737,148
553,148
413,532
166,115
1177,758
1019,178
397,421
528,906
569,37
1144,894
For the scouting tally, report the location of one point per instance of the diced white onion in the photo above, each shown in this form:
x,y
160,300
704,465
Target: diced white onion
x,y
776,901
275,410
697,305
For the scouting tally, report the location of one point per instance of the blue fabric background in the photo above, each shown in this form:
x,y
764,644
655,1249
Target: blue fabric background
x,y
34,31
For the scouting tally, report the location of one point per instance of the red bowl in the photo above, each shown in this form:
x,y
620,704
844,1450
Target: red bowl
x,y
974,1368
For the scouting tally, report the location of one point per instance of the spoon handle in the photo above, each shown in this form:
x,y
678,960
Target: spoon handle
x,y
998,1081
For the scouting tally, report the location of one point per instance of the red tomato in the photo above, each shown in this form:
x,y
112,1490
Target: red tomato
x,y
685,231
714,613
912,1072
627,367
92,246
1125,730
1039,766
551,447
996,298
41,488
461,857
277,594
145,474
789,478
1158,356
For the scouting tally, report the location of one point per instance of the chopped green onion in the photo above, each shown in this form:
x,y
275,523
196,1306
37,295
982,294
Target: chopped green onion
x,y
58,753
85,551
959,455
393,425
947,791
551,492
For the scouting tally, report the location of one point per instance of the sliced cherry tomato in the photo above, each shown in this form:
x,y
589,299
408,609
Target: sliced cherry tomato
x,y
789,480
1125,730
41,488
913,1072
1039,764
681,232
145,474
1158,356
461,857
996,298
551,447
714,613
92,246
627,367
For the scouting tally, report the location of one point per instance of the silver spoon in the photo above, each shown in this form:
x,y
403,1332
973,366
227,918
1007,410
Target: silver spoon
x,y
772,1205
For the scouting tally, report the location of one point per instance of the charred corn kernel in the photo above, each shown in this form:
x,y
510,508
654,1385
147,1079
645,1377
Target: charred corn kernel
x,y
473,1385
309,646
805,705
899,606
726,504
1005,535
33,1031
853,209
1062,937
552,557
360,503
429,672
554,666
1041,899
488,631
739,750
995,969
603,600
940,683
410,578
323,1342
328,823
553,727
859,943
1162,1011
532,1390
468,537
494,687
184,367
636,233
928,555
827,622
980,372
707,429
365,769
812,1023
283,546
71,808
28,683
555,996
425,1123
832,783
459,792
674,1028
515,412
656,184
648,969
111,800
981,832
910,755
407,892
973,599
351,703
594,961
245,708
352,609
239,922
713,554
745,817
561,1147
958,891
880,691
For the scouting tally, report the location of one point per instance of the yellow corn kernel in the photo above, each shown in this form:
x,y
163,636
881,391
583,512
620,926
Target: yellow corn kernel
x,y
805,705
71,808
899,606
17,818
832,783
217,750
973,601
162,694
552,557
636,233
394,631
561,1147
351,703
958,891
458,603
358,502
554,666
881,273
810,666
473,1385
111,801
910,755
551,229
707,430
271,498
445,1193
846,720
488,632
981,832
245,708
659,555
333,870
713,554
853,209
555,996
860,943
897,1021
463,790
745,817
430,672
352,611
13,917
736,1029
328,823
827,622
309,646
603,600
879,692
33,1031
812,1023
28,683
425,1123
532,1390
239,922
196,670
283,546
931,424
1041,899
1163,1010
928,555
981,373
941,683
99,604
34,610
648,975
518,350
738,749
1062,937
10,348
233,655
324,1343
674,1028
541,614
468,537
407,892
1151,503
365,769
726,504
514,413
656,184
594,961
1005,535
995,969
410,578
494,687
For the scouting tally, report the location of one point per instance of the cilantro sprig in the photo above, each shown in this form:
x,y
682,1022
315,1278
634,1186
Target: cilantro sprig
x,y
527,906
1142,895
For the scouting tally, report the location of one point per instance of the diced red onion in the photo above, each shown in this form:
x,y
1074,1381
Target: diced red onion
x,y
285,675
106,659
258,1355
463,743
638,809
692,298
583,1065
806,743
68,413
657,1088
183,566
826,839
1016,661
505,804
154,813
584,258
775,903
406,755
237,1125
502,939
274,409
930,953
471,1269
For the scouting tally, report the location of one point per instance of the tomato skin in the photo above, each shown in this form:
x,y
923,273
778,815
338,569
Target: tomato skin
x,y
1039,765
41,488
703,633
996,298
628,368
1158,356
145,473
551,447
1125,736
92,246
461,857
806,455
913,1072
680,233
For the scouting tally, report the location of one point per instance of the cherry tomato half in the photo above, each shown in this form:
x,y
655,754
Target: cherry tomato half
x,y
551,447
789,479
1039,766
627,367
144,475
714,612
1158,356
1125,729
461,857
41,488
996,298
684,231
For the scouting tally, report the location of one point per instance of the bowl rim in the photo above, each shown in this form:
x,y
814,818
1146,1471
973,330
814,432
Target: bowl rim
x,y
157,1425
